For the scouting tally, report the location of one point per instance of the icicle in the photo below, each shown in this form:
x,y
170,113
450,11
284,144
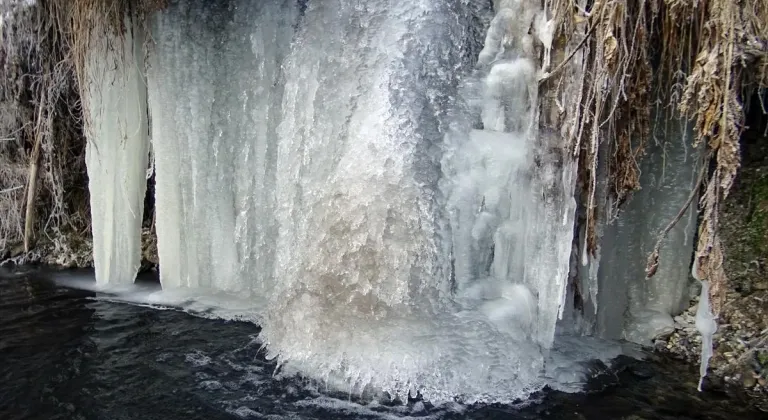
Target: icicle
x,y
545,31
116,153
584,251
706,325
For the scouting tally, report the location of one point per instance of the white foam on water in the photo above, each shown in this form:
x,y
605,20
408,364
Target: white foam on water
x,y
197,358
416,411
244,412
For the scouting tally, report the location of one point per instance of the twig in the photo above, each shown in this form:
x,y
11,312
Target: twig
x,y
561,66
8,139
12,189
653,258
29,216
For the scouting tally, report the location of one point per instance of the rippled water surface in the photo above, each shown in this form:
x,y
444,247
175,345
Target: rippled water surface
x,y
73,354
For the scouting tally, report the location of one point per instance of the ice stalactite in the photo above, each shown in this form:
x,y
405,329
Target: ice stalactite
x,y
582,306
707,326
215,97
115,104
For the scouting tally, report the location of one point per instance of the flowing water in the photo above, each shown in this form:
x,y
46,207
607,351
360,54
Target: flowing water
x,y
74,354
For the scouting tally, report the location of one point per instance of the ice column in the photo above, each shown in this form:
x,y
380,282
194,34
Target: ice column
x,y
668,174
114,103
509,188
215,95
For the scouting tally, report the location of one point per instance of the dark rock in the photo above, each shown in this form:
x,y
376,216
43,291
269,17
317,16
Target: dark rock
x,y
641,370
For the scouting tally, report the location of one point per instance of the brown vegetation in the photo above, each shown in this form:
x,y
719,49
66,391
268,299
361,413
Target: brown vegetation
x,y
696,54
43,181
41,155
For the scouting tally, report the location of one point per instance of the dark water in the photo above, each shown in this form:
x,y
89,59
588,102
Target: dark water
x,y
67,354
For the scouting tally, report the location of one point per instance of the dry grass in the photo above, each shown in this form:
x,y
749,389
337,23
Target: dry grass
x,y
713,97
40,106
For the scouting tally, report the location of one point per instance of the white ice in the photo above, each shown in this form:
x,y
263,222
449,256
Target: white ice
x,y
707,326
322,164
115,105
668,174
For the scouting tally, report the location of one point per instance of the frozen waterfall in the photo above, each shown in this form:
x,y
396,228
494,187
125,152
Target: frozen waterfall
x,y
299,151
370,178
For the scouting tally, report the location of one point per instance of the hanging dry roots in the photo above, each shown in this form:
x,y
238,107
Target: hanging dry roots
x,y
703,48
712,98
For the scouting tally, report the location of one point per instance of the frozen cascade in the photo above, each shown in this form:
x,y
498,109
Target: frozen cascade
x,y
394,214
668,173
376,184
511,219
115,103
301,161
215,95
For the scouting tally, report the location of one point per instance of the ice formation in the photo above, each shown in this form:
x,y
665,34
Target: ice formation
x,y
117,150
511,219
215,98
375,191
706,325
304,170
668,174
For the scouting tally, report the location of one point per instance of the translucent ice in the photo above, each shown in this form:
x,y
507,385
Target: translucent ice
x,y
706,325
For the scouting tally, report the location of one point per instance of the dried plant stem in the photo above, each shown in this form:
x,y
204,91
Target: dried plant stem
x,y
29,216
653,259
12,189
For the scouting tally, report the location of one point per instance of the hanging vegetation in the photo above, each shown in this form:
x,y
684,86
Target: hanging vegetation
x,y
42,170
695,54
